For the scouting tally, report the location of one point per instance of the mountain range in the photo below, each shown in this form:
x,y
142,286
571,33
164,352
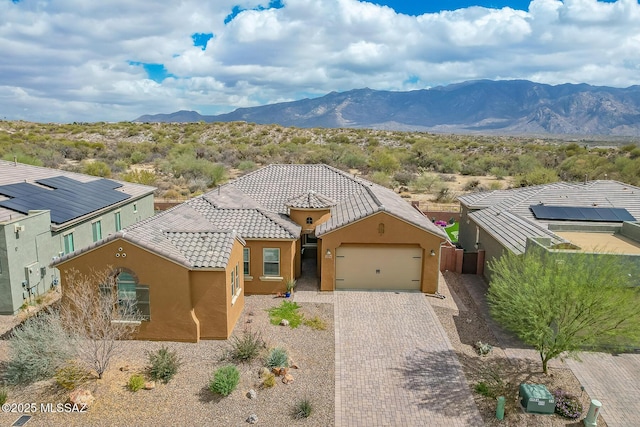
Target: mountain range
x,y
480,106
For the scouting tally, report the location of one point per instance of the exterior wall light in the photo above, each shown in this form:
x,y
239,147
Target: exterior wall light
x,y
433,253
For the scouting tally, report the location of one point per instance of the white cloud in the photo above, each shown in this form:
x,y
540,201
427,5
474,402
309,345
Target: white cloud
x,y
71,60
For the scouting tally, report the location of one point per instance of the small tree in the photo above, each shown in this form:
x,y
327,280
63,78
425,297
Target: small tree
x,y
564,302
96,318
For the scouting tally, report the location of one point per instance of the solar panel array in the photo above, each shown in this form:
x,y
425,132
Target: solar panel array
x,y
68,199
579,213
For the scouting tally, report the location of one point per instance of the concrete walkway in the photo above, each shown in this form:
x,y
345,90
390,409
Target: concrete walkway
x,y
395,365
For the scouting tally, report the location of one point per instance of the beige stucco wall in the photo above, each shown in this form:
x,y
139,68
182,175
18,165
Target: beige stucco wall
x,y
216,309
366,232
169,291
300,217
254,284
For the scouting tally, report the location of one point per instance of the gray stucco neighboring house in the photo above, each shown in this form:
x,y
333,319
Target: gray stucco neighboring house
x,y
46,213
596,217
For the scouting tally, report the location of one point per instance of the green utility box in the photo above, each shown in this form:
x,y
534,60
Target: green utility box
x,y
536,399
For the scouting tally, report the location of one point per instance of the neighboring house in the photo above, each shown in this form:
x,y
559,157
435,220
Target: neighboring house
x,y
191,265
595,216
46,213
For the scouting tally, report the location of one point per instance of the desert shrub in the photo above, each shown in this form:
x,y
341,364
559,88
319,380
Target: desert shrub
x,y
37,349
445,195
277,357
246,166
246,347
567,405
425,182
140,177
3,395
315,323
483,389
71,375
164,364
491,384
483,348
136,382
97,168
403,178
225,380
302,409
380,178
472,184
269,381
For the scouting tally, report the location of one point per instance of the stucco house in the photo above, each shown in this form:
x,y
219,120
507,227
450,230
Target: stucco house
x,y
193,264
47,213
595,216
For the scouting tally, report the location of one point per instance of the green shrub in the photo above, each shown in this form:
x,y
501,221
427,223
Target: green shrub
x,y
247,166
246,347
269,381
277,357
287,310
71,375
483,389
164,364
37,349
3,395
136,382
302,409
225,380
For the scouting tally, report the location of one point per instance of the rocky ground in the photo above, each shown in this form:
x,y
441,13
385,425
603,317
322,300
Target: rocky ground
x,y
465,325
186,400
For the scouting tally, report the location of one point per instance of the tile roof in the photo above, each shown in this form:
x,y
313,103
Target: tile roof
x,y
255,207
181,234
506,215
18,174
310,200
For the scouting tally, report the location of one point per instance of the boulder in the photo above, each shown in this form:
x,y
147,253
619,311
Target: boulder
x,y
284,322
149,385
251,394
253,418
287,379
81,398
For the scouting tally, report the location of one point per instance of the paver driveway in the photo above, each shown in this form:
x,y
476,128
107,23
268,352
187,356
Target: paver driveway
x,y
395,365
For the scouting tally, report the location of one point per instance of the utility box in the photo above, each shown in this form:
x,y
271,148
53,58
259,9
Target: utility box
x,y
536,399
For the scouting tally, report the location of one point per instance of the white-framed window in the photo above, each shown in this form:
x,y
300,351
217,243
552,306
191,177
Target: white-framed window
x,y
68,243
96,229
271,261
246,261
117,220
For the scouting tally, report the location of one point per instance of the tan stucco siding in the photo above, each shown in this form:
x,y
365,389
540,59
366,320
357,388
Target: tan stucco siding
x,y
300,216
259,283
169,290
212,298
368,232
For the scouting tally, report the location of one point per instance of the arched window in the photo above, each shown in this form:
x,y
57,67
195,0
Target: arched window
x,y
133,298
309,220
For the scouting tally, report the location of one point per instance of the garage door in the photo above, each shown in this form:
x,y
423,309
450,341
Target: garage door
x,y
388,267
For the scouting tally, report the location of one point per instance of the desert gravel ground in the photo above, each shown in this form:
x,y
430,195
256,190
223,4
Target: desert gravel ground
x,y
464,324
186,400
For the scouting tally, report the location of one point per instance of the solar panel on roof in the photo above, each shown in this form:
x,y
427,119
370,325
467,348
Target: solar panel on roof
x,y
581,213
68,199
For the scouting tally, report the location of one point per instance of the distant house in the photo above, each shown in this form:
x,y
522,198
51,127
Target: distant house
x,y
47,213
191,266
595,217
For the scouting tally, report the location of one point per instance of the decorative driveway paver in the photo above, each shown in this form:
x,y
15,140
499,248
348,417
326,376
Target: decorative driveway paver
x,y
395,365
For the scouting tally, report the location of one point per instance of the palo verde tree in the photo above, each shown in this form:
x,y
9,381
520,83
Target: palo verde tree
x,y
96,317
563,302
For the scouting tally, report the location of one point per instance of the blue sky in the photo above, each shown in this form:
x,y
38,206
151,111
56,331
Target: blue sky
x,y
111,60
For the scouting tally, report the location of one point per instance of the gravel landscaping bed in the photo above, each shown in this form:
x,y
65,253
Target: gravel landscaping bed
x,y
465,325
186,400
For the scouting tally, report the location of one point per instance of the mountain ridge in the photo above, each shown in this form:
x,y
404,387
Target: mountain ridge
x,y
478,106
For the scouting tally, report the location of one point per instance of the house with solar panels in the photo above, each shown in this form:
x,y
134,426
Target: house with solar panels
x,y
594,216
47,213
189,267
